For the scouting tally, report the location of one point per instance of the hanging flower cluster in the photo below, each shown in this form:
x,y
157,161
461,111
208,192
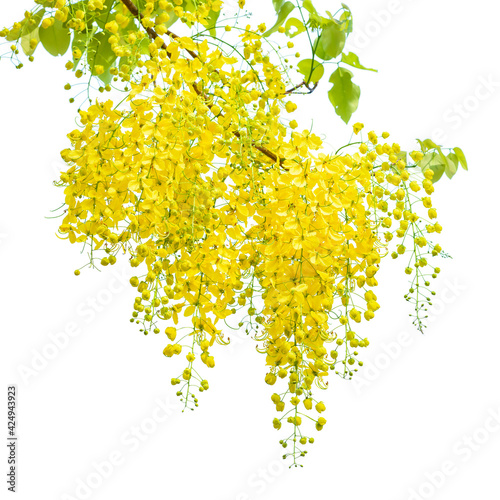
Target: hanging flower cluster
x,y
228,213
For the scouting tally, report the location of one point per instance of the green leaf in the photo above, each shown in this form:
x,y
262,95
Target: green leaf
x,y
277,5
427,144
331,42
451,166
318,50
438,168
461,158
426,160
189,5
344,95
80,6
402,155
293,22
27,26
212,21
46,3
430,144
435,163
422,147
55,39
346,19
105,15
99,53
143,46
36,20
26,40
312,70
131,62
172,20
282,15
352,60
80,40
14,34
307,4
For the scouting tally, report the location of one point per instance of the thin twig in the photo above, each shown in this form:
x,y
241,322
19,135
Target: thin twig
x,y
303,84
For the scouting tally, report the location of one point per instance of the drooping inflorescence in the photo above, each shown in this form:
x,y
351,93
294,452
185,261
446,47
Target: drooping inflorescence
x,y
228,214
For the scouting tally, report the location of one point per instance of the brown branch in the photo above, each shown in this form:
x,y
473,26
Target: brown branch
x,y
150,31
153,35
262,149
303,84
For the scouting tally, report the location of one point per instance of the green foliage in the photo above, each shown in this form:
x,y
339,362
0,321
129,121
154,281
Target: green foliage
x,y
26,41
307,4
327,34
212,21
312,70
461,157
173,19
331,35
104,16
277,4
344,95
55,38
346,19
80,40
353,60
27,26
99,53
291,23
433,161
451,166
283,13
438,162
331,41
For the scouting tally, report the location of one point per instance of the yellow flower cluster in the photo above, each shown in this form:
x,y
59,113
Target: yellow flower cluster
x,y
182,180
228,213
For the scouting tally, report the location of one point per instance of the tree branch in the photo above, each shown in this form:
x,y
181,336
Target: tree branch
x,y
153,35
150,31
303,84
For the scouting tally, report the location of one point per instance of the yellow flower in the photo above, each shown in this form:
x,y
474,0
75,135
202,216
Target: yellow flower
x,y
357,127
112,27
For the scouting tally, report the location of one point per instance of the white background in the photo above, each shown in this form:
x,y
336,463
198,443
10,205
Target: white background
x,y
422,400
